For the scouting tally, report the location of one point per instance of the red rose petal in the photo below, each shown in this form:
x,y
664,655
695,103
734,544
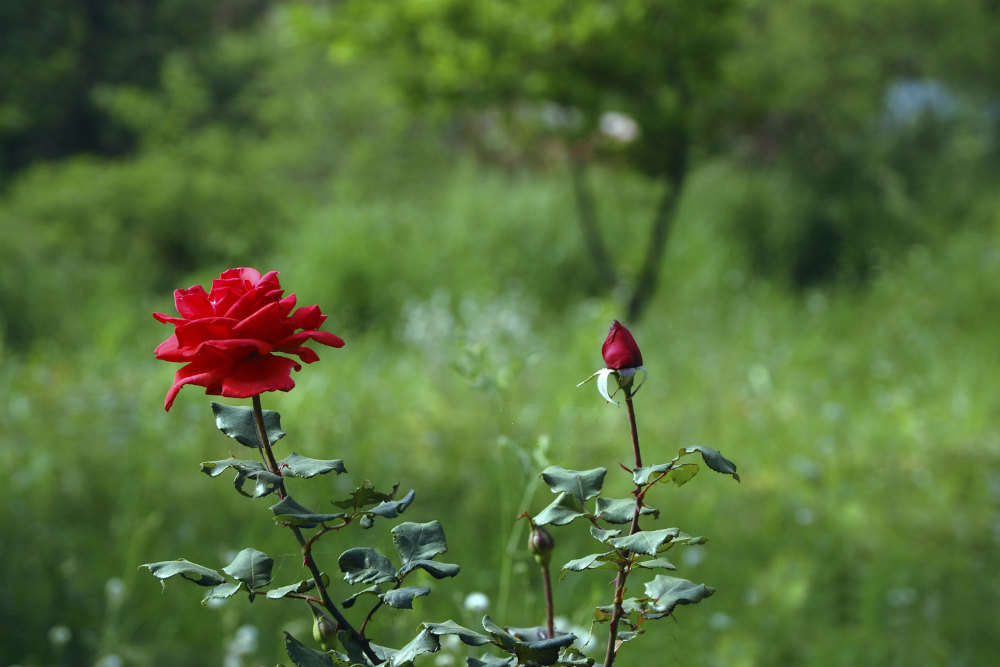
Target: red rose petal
x,y
307,317
192,302
266,324
169,350
208,370
238,348
168,319
259,374
286,305
193,333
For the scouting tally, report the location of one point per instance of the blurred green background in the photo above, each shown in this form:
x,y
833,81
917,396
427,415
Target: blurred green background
x,y
794,206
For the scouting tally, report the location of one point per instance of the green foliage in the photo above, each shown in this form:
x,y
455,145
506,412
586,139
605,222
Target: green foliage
x,y
238,423
466,286
521,56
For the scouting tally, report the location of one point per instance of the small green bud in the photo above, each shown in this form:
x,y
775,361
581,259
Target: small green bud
x,y
540,543
324,629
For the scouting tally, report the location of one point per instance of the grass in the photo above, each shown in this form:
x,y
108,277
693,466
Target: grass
x,y
864,424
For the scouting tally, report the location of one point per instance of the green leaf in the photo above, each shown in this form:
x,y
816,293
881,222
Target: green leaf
x,y
283,591
449,627
435,569
713,459
591,562
543,651
603,535
668,592
501,637
571,657
402,598
678,473
238,423
252,567
295,514
425,642
654,563
216,468
199,574
375,590
364,565
419,541
642,475
603,613
364,496
581,484
296,465
222,592
303,656
393,508
491,661
647,542
265,482
628,635
355,652
560,511
620,510
530,634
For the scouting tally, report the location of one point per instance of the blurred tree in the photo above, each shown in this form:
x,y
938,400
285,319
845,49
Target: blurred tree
x,y
562,65
801,92
872,118
54,54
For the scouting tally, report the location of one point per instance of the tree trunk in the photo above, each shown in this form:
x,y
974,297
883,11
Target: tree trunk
x,y
649,273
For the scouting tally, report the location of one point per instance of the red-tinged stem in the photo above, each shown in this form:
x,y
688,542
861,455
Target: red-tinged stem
x,y
549,606
626,566
267,454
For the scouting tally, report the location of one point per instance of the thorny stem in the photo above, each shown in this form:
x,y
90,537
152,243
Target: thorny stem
x,y
626,566
264,444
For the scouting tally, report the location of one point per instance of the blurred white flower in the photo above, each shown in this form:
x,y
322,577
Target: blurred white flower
x,y
476,601
719,621
444,660
114,589
60,634
804,516
110,660
693,556
619,126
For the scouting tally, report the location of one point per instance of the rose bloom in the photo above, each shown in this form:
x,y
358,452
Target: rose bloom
x,y
228,337
620,350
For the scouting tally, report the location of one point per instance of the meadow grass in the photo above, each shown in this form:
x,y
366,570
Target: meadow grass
x,y
863,422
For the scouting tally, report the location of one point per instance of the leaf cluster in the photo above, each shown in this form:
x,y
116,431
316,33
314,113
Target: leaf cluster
x,y
634,548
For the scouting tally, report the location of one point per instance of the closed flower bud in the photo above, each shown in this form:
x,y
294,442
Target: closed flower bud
x,y
324,629
540,543
620,350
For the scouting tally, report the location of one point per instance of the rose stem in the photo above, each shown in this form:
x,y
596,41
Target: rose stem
x,y
625,567
268,455
549,606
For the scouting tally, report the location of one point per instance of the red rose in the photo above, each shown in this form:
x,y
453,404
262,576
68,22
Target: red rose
x,y
620,349
228,337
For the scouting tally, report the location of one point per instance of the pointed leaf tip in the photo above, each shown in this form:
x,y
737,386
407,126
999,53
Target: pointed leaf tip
x,y
713,459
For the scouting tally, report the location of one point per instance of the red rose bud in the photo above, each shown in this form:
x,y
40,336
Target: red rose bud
x,y
540,543
228,337
620,349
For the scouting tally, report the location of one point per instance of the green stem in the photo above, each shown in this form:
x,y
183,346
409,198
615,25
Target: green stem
x,y
267,454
